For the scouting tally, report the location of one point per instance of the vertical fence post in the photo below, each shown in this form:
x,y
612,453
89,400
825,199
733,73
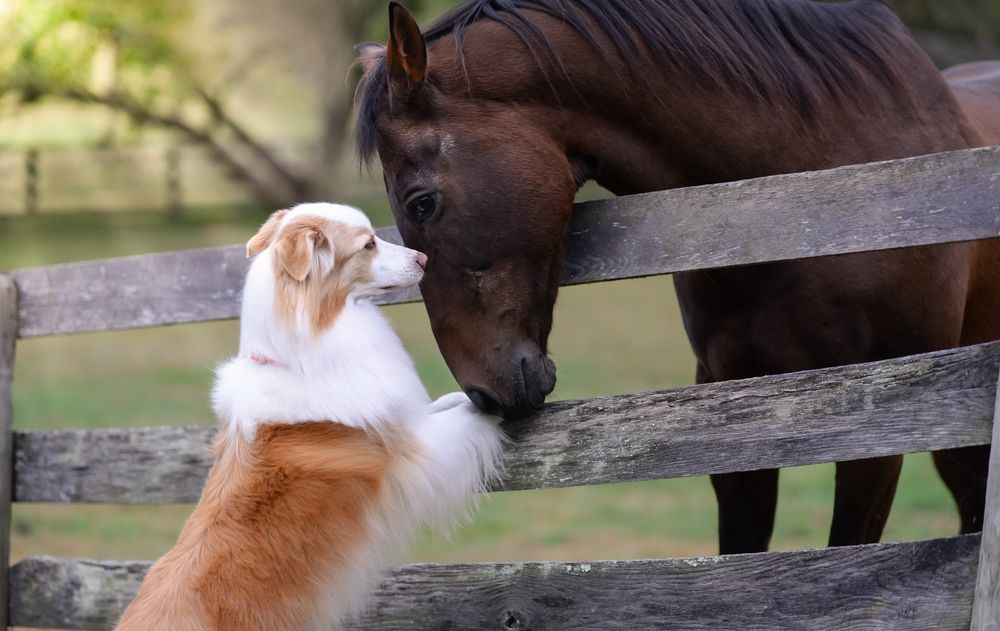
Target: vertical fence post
x,y
8,337
986,605
174,201
31,181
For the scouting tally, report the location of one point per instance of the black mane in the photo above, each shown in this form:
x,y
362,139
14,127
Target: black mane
x,y
768,49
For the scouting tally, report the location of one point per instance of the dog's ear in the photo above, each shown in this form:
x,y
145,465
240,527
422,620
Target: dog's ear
x,y
259,242
297,245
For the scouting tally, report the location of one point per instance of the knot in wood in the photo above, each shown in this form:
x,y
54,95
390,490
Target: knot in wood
x,y
512,620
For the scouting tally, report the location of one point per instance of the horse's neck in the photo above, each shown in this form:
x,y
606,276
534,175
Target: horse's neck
x,y
664,131
698,138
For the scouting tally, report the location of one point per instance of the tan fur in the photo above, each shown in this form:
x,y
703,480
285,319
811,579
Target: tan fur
x,y
296,244
259,242
276,518
324,300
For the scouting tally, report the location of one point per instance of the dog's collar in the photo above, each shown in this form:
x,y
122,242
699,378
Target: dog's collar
x,y
263,360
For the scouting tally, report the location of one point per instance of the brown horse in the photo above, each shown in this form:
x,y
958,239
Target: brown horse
x,y
488,123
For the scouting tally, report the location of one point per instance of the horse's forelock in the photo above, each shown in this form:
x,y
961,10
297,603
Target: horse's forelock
x,y
371,90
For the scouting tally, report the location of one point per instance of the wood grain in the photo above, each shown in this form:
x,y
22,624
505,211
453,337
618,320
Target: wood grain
x,y
145,290
935,401
8,339
929,199
924,585
986,608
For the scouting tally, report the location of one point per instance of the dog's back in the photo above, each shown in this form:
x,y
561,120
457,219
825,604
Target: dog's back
x,y
279,522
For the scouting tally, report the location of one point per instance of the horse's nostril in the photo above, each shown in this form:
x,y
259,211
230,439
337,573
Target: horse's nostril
x,y
485,402
539,377
422,260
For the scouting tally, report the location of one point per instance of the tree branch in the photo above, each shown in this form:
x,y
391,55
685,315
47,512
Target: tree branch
x,y
142,115
300,187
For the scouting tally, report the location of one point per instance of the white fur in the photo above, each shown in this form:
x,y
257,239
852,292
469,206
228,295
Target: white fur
x,y
460,454
392,269
357,373
337,212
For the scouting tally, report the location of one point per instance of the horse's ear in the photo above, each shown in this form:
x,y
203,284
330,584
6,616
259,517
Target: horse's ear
x,y
369,54
406,53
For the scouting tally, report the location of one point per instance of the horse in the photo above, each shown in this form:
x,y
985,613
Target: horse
x,y
488,123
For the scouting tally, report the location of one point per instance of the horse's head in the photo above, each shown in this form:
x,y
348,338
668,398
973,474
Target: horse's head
x,y
479,186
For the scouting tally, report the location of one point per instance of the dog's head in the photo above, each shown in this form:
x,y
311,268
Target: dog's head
x,y
327,255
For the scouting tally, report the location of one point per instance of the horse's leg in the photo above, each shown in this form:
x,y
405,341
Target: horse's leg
x,y
863,497
964,473
964,469
747,501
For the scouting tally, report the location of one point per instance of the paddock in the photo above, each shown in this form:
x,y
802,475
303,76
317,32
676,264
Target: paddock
x,y
928,402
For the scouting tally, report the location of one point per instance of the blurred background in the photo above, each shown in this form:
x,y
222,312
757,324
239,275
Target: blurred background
x,y
149,125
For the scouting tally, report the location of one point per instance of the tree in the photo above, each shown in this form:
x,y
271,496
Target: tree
x,y
955,31
55,48
314,41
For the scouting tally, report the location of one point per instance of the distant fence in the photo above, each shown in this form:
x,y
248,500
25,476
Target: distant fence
x,y
169,178
922,403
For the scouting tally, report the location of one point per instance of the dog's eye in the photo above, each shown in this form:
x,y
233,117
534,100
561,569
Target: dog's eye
x,y
421,208
371,244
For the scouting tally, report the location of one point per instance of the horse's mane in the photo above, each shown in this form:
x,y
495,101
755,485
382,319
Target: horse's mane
x,y
769,49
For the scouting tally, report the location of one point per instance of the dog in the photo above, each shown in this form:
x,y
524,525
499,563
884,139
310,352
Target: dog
x,y
330,453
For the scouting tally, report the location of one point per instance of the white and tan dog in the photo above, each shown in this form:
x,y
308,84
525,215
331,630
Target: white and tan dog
x,y
330,453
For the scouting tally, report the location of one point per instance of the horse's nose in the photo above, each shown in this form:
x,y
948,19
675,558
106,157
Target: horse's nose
x,y
422,260
484,400
538,373
536,380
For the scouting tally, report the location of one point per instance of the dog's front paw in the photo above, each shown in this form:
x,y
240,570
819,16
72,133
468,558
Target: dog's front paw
x,y
449,401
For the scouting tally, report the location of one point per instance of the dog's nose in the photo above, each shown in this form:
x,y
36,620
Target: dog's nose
x,y
421,260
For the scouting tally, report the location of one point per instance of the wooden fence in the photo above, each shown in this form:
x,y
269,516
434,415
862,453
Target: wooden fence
x,y
168,179
921,403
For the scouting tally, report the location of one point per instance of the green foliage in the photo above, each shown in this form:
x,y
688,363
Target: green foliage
x,y
977,18
59,46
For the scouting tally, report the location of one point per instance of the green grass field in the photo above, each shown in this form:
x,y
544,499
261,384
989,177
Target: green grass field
x,y
608,338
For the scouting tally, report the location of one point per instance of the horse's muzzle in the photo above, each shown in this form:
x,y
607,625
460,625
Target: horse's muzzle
x,y
529,384
538,376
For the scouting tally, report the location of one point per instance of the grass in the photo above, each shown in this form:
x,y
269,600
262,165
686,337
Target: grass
x,y
608,338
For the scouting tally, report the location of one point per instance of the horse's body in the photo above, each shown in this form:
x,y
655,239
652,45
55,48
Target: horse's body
x,y
645,96
977,87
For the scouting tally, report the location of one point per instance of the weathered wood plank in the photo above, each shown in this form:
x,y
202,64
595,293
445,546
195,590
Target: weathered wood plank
x,y
986,607
938,198
145,290
935,401
925,585
916,201
8,340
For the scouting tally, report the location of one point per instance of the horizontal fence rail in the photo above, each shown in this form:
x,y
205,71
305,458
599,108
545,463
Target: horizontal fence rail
x,y
50,181
926,402
924,585
930,199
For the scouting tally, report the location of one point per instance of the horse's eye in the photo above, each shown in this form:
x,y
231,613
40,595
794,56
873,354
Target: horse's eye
x,y
371,244
421,208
